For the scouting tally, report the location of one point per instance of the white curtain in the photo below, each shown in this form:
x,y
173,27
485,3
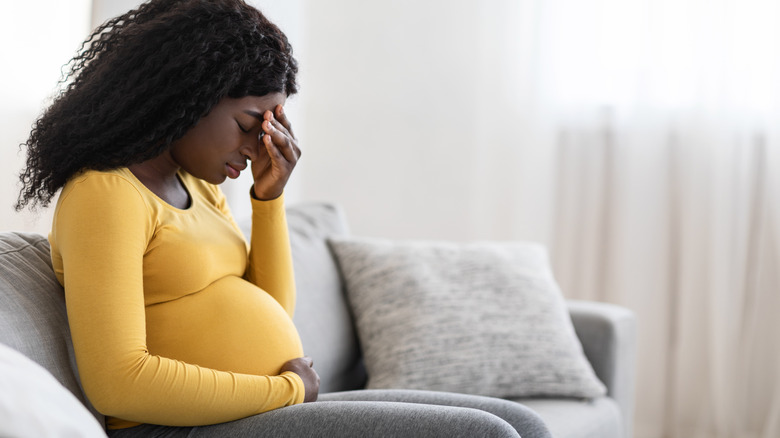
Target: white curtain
x,y
665,116
639,139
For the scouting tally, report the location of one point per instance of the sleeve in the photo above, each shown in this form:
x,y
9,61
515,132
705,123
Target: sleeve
x,y
101,228
270,257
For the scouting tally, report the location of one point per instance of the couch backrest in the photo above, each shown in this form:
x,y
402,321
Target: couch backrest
x,y
33,320
322,314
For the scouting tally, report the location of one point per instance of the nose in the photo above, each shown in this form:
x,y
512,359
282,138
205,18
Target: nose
x,y
251,149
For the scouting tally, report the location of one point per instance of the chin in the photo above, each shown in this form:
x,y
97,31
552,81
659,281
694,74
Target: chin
x,y
213,179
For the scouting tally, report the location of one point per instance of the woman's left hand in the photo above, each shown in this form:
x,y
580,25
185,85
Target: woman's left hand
x,y
273,166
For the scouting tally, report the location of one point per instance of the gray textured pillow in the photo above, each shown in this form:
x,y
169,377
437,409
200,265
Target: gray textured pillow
x,y
479,318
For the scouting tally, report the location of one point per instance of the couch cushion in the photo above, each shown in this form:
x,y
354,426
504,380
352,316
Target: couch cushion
x,y
321,312
34,403
33,319
570,418
481,318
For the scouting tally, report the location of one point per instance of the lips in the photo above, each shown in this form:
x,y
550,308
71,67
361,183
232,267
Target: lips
x,y
234,170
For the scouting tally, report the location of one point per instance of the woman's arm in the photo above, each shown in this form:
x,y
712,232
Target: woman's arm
x,y
270,259
269,265
101,230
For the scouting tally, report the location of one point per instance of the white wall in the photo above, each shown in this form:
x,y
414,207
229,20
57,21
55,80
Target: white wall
x,y
37,38
403,99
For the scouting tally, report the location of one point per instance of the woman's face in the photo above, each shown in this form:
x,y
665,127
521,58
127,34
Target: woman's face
x,y
218,146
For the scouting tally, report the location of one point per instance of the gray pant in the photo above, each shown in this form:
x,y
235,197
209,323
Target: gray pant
x,y
396,413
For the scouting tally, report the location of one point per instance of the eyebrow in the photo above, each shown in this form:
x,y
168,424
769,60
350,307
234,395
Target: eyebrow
x,y
255,114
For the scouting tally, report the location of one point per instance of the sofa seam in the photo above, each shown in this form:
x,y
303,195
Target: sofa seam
x,y
20,249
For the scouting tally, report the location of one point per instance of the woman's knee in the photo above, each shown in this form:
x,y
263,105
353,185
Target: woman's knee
x,y
525,421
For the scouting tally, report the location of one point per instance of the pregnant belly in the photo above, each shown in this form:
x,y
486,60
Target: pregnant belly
x,y
232,325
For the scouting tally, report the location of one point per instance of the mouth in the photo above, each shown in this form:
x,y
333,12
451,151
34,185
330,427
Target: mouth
x,y
234,170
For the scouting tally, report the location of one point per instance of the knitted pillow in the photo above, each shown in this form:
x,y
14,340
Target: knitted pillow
x,y
477,318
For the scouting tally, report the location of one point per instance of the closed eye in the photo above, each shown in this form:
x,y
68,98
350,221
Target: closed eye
x,y
245,131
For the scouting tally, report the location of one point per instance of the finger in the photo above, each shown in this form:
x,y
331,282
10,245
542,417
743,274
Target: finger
x,y
276,124
273,150
273,121
281,154
258,150
283,142
281,116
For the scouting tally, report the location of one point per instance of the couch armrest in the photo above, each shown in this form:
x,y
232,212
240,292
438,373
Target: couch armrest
x,y
608,336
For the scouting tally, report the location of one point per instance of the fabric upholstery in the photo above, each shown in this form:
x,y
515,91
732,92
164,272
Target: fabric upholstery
x,y
33,319
483,318
608,333
322,315
568,418
34,403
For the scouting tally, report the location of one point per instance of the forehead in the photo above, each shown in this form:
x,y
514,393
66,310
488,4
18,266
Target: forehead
x,y
256,103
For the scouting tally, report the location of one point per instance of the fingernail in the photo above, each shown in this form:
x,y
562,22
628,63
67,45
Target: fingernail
x,y
281,110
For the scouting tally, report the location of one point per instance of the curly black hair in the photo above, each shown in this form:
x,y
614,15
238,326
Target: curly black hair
x,y
142,79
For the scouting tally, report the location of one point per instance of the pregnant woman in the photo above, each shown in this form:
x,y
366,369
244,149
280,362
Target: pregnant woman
x,y
180,327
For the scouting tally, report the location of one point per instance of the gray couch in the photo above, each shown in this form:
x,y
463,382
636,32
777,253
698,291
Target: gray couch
x,y
34,323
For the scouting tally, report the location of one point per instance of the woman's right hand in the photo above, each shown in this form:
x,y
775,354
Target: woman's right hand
x,y
303,367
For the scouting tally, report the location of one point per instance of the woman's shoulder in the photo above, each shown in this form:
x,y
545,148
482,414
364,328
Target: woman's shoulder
x,y
91,177
104,186
97,200
102,202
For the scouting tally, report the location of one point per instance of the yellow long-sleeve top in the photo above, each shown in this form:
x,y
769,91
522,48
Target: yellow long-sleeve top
x,y
175,321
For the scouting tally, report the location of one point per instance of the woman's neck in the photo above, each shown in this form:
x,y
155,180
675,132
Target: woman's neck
x,y
159,175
